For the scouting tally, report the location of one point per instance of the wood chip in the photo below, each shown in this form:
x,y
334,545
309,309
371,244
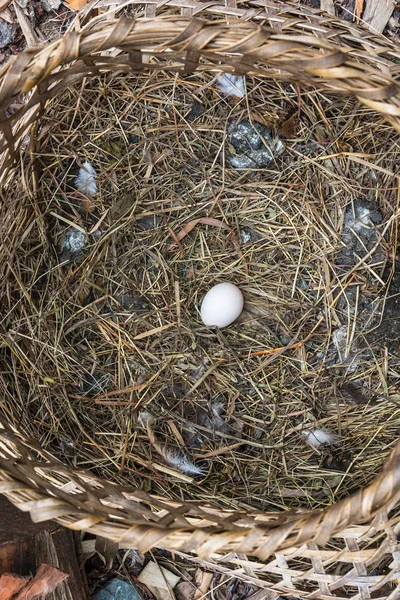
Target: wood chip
x,y
328,6
203,581
359,9
45,581
26,26
5,12
377,14
10,585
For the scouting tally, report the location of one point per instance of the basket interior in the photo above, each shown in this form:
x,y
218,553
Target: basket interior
x,y
95,342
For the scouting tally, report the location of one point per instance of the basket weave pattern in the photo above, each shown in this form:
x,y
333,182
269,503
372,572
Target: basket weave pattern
x,y
273,41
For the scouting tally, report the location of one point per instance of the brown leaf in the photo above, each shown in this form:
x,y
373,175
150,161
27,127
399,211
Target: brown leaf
x,y
76,4
288,127
359,9
45,581
257,118
11,585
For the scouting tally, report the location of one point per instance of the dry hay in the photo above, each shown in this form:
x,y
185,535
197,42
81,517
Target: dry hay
x,y
125,315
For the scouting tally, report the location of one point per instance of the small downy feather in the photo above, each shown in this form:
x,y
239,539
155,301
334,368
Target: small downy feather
x,y
145,418
318,437
231,85
86,180
178,460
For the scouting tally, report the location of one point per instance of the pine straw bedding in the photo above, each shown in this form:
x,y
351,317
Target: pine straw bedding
x,y
92,345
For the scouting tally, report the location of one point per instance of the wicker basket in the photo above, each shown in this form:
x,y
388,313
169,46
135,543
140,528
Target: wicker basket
x,y
274,41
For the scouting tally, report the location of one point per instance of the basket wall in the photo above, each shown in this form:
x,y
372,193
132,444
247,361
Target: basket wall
x,y
274,41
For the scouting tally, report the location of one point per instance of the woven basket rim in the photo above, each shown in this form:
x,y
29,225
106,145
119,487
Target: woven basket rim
x,y
356,65
360,68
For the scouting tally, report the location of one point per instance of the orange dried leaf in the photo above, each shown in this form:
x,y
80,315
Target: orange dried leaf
x,y
76,4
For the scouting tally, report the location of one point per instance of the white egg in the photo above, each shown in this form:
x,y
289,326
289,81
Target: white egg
x,y
222,305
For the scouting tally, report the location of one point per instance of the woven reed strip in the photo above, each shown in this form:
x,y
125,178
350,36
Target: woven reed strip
x,y
357,68
363,67
137,519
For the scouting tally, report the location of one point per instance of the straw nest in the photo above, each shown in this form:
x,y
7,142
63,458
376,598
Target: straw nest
x,y
105,360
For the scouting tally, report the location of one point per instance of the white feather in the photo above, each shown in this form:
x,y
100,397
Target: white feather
x,y
145,418
318,437
86,180
231,85
178,460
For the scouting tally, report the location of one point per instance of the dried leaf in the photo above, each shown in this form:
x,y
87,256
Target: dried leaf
x,y
256,118
76,4
359,9
288,127
86,206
